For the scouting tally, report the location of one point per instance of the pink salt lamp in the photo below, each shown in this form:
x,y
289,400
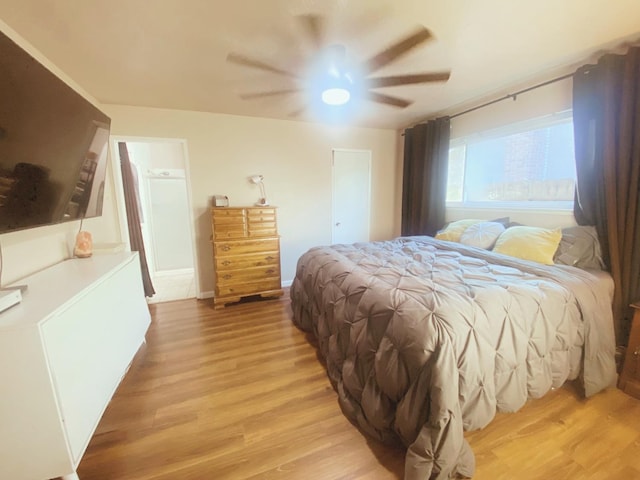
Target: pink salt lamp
x,y
84,245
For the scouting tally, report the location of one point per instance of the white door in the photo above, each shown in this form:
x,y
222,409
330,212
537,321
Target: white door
x,y
170,227
351,195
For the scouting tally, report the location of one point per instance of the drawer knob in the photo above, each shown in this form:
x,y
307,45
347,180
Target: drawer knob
x,y
271,270
226,248
637,351
270,257
226,276
226,263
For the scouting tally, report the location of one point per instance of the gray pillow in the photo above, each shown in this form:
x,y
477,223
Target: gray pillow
x,y
505,221
580,247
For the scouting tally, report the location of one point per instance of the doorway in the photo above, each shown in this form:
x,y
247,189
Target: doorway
x,y
351,192
161,176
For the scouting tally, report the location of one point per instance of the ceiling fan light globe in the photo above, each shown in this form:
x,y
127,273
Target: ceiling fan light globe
x,y
336,96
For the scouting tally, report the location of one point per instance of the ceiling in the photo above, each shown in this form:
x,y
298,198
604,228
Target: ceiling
x,y
172,53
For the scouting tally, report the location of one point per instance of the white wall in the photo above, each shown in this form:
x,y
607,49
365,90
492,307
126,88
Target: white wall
x,y
295,159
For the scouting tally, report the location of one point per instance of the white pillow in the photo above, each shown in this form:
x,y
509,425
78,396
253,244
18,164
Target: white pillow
x,y
482,235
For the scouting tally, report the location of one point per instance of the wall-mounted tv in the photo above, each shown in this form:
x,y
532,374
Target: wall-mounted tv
x,y
53,146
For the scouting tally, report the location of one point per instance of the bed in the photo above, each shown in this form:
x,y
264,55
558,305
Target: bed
x,y
424,339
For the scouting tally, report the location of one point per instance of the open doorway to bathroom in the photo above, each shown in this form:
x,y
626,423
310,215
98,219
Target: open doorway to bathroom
x,y
160,172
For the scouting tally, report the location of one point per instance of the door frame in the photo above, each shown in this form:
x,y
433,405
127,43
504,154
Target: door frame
x,y
333,189
120,201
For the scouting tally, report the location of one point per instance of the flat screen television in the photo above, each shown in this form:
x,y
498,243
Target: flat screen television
x,y
53,146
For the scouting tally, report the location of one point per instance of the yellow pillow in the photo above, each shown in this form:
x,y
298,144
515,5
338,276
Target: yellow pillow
x,y
529,243
454,230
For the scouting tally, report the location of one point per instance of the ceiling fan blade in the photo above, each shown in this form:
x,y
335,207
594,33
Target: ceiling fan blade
x,y
314,26
397,49
408,79
271,93
257,64
387,100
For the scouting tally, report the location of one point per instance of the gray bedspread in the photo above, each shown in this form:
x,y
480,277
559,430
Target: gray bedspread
x,y
424,339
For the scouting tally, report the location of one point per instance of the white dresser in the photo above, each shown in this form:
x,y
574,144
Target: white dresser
x,y
63,351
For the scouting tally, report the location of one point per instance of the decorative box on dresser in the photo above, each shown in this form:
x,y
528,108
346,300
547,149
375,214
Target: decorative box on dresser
x,y
246,253
630,378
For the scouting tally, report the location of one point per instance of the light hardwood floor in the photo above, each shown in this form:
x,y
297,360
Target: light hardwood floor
x,y
239,393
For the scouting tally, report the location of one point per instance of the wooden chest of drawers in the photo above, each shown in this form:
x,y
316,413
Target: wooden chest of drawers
x,y
246,253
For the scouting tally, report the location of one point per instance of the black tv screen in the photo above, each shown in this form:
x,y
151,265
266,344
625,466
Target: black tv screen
x,y
53,146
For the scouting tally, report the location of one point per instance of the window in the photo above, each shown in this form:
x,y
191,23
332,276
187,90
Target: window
x,y
528,165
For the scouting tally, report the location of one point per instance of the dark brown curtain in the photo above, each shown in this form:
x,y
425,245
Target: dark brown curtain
x,y
606,117
424,180
133,217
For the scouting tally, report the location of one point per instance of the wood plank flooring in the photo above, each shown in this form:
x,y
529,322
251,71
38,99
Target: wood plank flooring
x,y
239,393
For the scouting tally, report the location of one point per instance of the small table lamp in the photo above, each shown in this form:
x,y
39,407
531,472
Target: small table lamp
x,y
259,180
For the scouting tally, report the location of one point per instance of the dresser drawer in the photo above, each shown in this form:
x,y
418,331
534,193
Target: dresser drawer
x,y
247,275
247,261
229,232
266,229
222,248
229,221
256,219
248,288
261,212
227,212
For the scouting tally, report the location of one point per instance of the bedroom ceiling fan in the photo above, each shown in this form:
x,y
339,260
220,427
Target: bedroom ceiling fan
x,y
333,78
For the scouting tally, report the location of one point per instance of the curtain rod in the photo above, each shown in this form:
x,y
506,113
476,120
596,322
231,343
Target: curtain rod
x,y
506,97
512,95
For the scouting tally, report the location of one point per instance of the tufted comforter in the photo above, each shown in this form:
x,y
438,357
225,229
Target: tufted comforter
x,y
424,339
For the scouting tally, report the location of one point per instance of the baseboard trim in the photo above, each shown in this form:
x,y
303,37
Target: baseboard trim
x,y
204,295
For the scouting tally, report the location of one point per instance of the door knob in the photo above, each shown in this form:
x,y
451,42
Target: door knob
x,y
337,224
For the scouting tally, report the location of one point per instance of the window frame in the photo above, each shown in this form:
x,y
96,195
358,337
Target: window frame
x,y
542,206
